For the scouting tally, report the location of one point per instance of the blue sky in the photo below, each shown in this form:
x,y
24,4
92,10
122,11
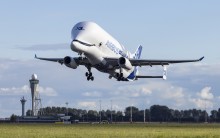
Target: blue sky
x,y
166,29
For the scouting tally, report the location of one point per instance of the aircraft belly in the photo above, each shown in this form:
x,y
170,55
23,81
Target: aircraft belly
x,y
104,69
94,55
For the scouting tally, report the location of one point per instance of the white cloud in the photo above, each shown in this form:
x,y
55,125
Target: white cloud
x,y
92,94
132,91
87,104
197,68
145,91
47,91
14,90
151,92
172,92
201,103
117,107
205,99
175,95
206,93
3,66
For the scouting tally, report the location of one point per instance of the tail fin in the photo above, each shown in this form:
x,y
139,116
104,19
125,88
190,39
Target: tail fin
x,y
137,53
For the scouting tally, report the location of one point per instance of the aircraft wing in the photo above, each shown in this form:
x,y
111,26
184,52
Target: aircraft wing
x,y
59,60
82,61
150,62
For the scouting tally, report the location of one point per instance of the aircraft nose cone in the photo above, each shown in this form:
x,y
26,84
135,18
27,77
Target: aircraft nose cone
x,y
73,46
78,47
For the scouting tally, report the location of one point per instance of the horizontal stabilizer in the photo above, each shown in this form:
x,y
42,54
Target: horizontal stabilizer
x,y
149,76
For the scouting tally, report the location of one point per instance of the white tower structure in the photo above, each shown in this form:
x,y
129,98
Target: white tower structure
x,y
23,105
36,101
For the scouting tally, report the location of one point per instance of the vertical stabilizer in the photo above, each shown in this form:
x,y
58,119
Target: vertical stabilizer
x,y
137,53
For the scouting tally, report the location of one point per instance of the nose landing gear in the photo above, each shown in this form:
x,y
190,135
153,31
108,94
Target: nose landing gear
x,y
89,74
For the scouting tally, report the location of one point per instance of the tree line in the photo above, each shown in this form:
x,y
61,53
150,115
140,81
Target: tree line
x,y
156,113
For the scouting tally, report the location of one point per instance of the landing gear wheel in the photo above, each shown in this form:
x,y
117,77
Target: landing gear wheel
x,y
90,74
117,75
92,78
87,74
88,78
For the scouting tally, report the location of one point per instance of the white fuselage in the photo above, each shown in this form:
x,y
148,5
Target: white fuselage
x,y
98,49
96,44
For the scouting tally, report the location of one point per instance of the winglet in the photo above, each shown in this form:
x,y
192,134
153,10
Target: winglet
x,y
201,58
35,56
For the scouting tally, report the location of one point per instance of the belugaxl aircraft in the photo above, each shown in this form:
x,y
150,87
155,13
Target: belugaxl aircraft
x,y
98,49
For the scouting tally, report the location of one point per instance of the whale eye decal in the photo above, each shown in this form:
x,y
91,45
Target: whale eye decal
x,y
79,28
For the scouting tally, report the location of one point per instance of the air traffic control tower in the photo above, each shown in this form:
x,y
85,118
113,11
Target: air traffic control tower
x,y
35,94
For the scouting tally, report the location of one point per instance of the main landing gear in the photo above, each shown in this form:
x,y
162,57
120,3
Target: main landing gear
x,y
89,75
119,76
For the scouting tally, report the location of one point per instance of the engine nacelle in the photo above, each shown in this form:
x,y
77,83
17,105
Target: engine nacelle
x,y
125,63
70,62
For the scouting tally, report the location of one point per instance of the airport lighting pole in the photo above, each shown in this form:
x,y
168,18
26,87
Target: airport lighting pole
x,y
144,115
205,112
131,114
149,115
100,111
66,108
111,111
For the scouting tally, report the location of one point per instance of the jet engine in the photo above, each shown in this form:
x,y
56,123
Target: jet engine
x,y
125,63
70,62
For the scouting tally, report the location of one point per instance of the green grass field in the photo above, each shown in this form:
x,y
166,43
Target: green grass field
x,y
110,130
